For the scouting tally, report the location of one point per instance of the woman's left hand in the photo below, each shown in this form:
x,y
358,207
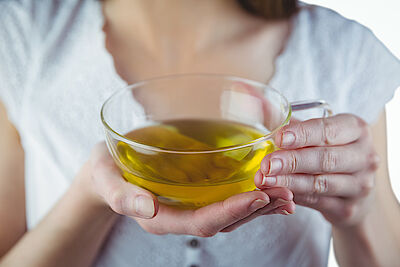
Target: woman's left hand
x,y
329,164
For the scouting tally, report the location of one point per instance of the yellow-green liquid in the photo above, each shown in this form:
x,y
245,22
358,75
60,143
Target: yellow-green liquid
x,y
195,179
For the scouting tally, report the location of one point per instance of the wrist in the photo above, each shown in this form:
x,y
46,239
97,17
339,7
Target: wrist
x,y
349,230
362,225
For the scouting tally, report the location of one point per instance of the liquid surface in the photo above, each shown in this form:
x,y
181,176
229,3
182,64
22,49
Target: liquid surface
x,y
194,179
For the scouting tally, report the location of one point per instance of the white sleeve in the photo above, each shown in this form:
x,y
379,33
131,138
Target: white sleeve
x,y
351,68
15,55
373,78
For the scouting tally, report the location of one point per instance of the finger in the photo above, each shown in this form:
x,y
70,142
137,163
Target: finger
x,y
314,160
342,185
282,203
202,222
337,130
279,192
281,196
333,208
279,206
209,220
123,197
169,220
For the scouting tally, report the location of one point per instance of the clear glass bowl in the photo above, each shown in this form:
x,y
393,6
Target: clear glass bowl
x,y
202,174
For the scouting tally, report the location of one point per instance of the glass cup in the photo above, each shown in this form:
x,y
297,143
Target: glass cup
x,y
200,174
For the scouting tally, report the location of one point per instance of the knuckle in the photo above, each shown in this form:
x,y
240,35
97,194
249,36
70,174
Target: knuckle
x,y
329,131
287,180
373,161
348,211
320,184
293,163
304,135
367,184
311,199
329,160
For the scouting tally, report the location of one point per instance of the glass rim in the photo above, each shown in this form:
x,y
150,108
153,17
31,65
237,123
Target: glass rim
x,y
123,138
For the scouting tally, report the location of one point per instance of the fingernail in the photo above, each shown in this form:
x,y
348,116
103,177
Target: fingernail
x,y
280,202
269,180
258,204
144,206
275,165
288,138
285,212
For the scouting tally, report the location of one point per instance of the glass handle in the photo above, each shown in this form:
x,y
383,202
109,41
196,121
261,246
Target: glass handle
x,y
310,104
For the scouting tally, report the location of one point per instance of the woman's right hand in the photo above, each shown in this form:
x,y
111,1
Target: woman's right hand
x,y
111,190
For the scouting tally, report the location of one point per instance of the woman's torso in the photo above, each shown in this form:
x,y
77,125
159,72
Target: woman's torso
x,y
57,115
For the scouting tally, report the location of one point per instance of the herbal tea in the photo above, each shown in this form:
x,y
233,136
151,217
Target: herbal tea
x,y
194,179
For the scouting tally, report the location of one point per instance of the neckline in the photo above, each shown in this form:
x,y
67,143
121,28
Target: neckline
x,y
279,61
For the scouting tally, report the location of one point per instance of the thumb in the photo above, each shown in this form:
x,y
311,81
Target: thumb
x,y
122,197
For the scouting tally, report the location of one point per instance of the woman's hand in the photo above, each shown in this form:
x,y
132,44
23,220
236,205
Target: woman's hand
x,y
111,190
328,163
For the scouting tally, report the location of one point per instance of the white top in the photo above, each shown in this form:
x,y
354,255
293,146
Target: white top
x,y
55,73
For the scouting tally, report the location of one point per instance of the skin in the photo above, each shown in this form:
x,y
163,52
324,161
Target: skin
x,y
338,166
356,198
96,197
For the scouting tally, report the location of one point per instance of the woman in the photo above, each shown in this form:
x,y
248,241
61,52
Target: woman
x,y
57,67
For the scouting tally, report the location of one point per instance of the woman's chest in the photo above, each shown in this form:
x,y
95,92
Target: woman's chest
x,y
250,55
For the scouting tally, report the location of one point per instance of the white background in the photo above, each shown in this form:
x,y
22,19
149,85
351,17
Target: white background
x,y
383,17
